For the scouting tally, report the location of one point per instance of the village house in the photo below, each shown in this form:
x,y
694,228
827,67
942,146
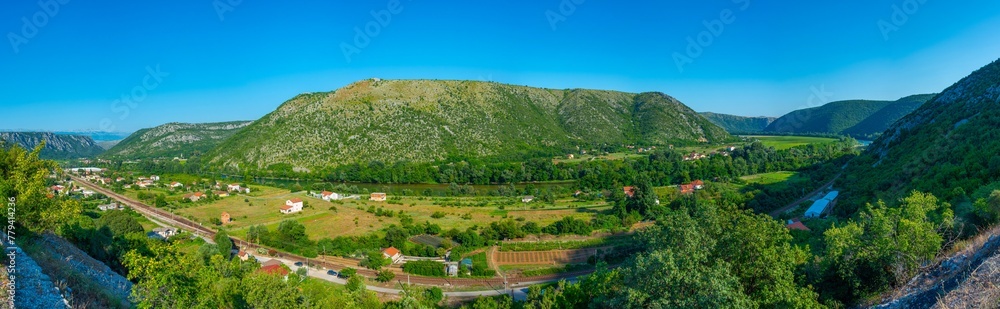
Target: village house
x,y
527,199
119,179
377,196
225,218
163,232
329,196
112,206
274,267
220,193
796,225
292,206
154,178
194,197
629,191
58,188
87,193
393,254
176,185
237,188
244,255
698,184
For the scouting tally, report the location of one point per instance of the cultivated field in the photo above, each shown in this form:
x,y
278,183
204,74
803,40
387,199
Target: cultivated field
x,y
352,217
551,257
771,178
786,142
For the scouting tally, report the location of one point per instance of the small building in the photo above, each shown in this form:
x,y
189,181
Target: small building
x,y
687,189
329,196
817,208
292,206
58,188
112,206
234,187
796,225
225,218
220,193
466,264
176,185
163,232
831,196
194,197
629,191
244,255
393,254
527,199
698,184
87,193
451,269
154,178
377,196
274,267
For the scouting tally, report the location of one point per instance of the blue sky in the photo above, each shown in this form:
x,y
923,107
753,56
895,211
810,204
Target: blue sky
x,y
69,68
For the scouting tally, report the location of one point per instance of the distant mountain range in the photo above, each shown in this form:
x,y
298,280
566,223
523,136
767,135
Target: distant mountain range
x,y
175,140
857,118
57,146
739,124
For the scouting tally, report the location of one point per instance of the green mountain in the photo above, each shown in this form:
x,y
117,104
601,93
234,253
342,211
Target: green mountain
x,y
858,118
57,146
423,121
175,140
950,142
739,124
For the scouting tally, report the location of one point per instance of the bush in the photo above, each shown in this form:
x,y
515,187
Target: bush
x,y
385,275
348,272
438,215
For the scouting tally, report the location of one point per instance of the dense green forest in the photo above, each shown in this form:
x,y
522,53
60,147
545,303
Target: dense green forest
x,y
863,119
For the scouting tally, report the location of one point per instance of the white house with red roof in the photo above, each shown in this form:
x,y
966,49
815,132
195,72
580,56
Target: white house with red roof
x,y
194,197
329,196
292,206
392,253
176,184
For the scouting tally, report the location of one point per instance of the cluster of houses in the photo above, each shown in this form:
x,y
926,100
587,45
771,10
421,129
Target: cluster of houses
x,y
60,189
112,206
694,155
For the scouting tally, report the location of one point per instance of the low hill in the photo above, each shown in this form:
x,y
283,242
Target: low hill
x,y
947,147
174,140
739,124
424,121
56,146
863,119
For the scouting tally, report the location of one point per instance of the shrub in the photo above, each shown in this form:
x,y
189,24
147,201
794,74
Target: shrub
x,y
385,275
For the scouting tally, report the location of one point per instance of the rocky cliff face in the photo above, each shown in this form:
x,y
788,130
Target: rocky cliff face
x,y
56,146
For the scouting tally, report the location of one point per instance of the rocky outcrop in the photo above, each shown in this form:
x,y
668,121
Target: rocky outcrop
x,y
32,287
56,146
83,264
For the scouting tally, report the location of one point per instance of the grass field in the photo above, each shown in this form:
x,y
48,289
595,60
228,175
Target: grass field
x,y
610,156
352,217
786,142
771,178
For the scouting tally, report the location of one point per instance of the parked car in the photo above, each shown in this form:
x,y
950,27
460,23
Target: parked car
x,y
299,264
331,272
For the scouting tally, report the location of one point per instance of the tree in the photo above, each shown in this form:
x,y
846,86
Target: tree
x,y
22,177
385,275
348,272
225,244
120,223
374,260
355,284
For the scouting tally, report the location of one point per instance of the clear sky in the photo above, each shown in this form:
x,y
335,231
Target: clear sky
x,y
203,61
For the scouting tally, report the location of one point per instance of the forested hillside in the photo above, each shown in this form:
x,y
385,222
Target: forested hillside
x,y
858,118
175,140
423,121
56,146
947,147
739,124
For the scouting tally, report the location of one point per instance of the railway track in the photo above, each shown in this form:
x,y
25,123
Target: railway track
x,y
200,230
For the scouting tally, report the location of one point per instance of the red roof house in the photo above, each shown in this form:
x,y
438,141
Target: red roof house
x,y
629,191
273,267
797,225
687,189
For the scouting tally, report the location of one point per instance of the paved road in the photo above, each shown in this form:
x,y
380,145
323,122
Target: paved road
x,y
157,214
